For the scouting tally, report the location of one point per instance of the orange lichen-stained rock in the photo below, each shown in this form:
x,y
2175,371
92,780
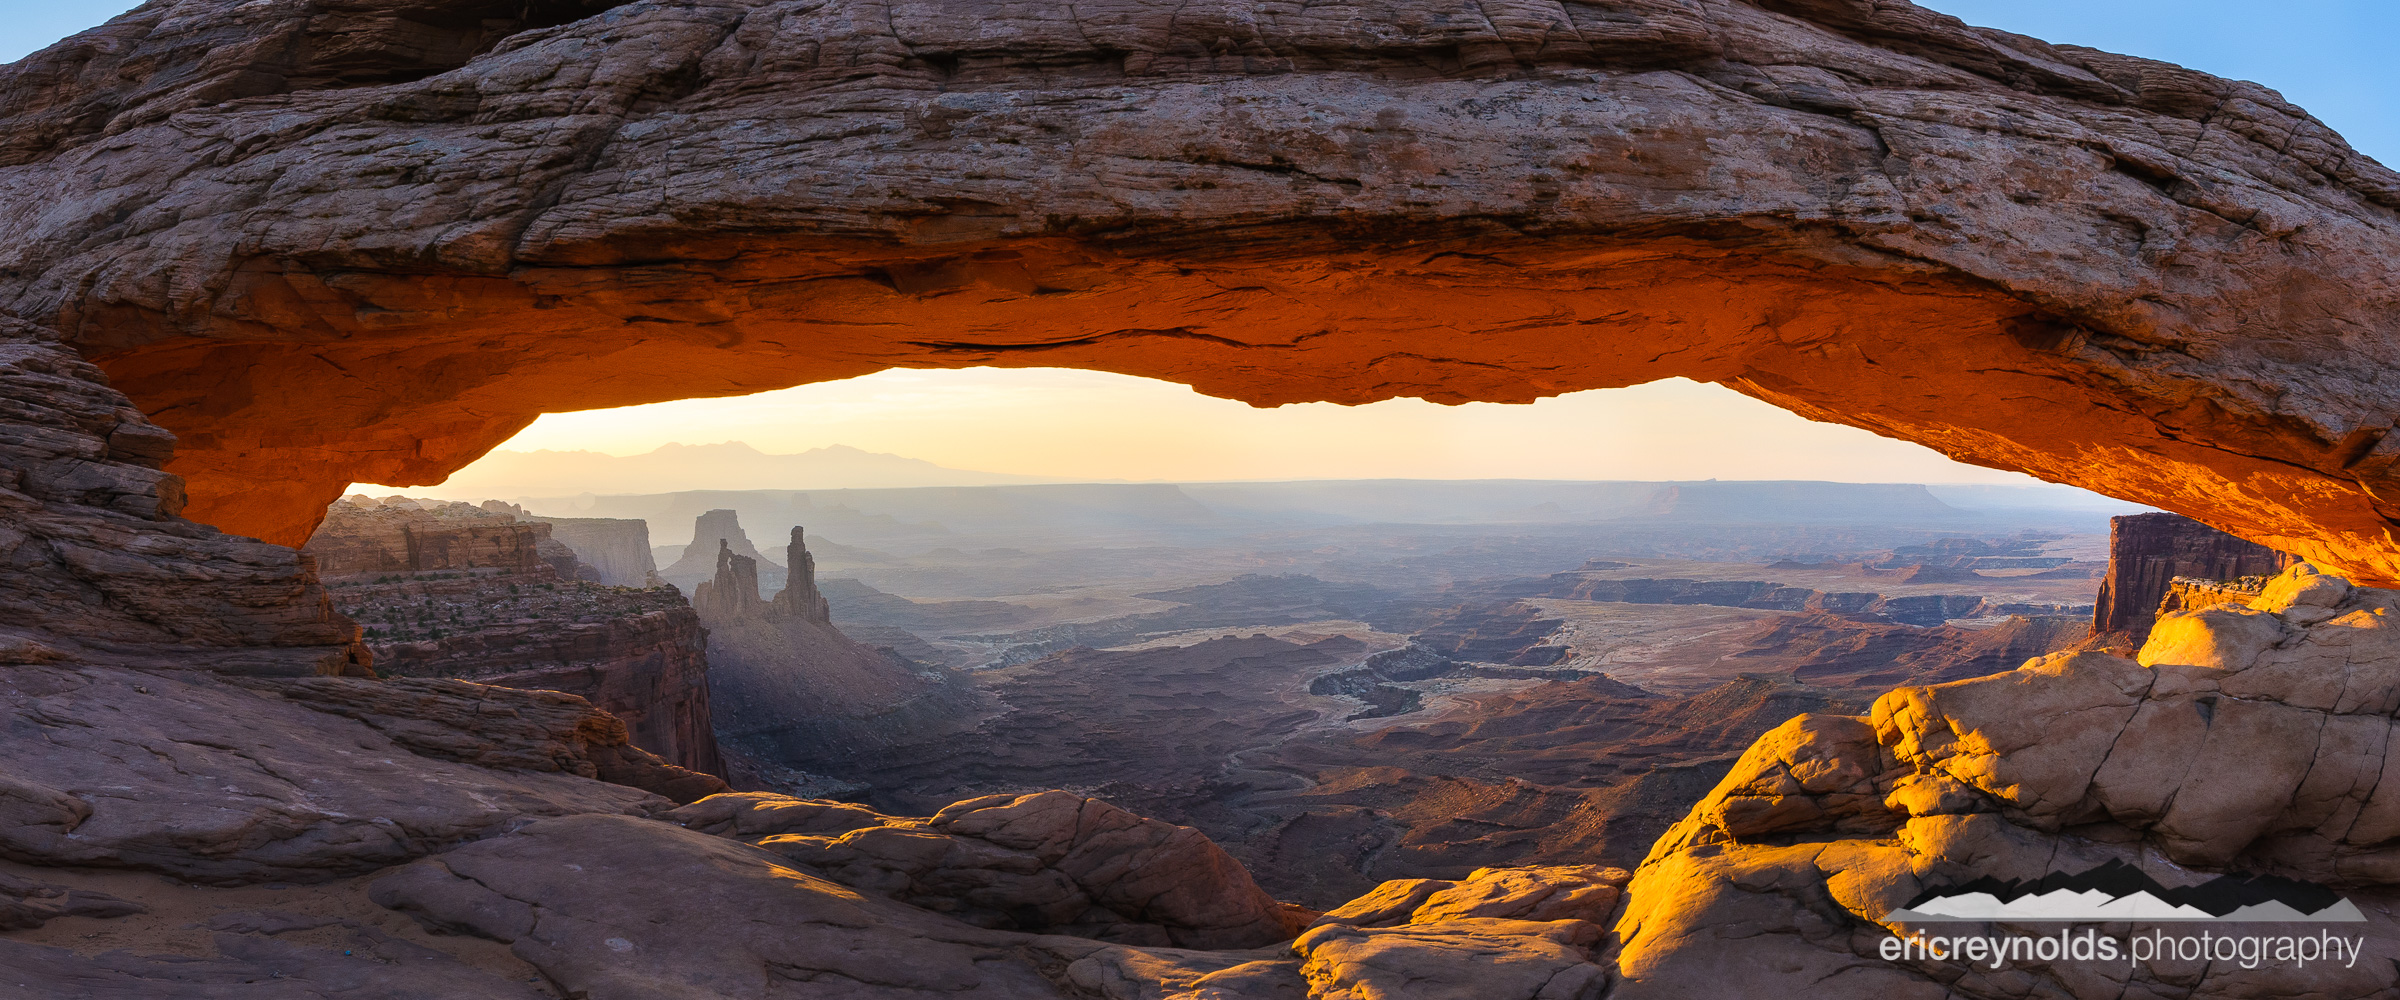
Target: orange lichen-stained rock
x,y
322,242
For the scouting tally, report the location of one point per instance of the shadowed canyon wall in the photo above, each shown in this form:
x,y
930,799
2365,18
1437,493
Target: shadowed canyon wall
x,y
319,261
451,590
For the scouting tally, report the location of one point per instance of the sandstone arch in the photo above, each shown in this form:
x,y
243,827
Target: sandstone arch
x,y
326,240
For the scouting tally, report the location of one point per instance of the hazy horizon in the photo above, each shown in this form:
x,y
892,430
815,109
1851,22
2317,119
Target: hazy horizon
x,y
739,466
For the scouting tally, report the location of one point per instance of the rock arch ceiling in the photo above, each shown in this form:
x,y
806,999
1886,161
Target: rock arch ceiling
x,y
333,240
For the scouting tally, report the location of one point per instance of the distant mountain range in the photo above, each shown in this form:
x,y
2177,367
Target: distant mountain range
x,y
732,465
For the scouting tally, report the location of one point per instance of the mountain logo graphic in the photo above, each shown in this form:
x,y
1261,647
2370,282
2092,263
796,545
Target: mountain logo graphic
x,y
2117,892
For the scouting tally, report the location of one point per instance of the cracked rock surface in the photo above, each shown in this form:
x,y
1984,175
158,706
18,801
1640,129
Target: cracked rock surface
x,y
1049,861
323,241
189,776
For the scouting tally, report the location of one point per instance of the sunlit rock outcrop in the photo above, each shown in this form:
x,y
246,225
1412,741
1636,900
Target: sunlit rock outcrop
x,y
2245,738
2148,553
373,260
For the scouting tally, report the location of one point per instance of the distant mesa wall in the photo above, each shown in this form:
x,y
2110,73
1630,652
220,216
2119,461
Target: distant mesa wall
x,y
363,535
698,561
616,548
2146,552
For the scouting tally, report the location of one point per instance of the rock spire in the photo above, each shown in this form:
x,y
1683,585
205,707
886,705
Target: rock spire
x,y
734,592
800,598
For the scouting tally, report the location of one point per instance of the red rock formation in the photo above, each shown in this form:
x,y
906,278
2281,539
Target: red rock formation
x,y
453,590
734,592
98,565
1045,861
319,263
647,668
364,536
2146,552
800,597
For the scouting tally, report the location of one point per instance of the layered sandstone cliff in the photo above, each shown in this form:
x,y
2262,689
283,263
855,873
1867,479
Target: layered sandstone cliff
x,y
363,536
453,590
2146,552
99,565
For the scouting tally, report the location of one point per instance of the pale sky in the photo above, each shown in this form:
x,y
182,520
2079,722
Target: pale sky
x,y
2326,55
1083,424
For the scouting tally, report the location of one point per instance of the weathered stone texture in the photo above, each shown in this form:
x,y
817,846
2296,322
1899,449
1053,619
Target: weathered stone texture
x,y
361,535
1049,861
615,547
2245,738
94,560
320,262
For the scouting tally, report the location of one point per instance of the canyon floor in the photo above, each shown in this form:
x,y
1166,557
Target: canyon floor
x,y
1515,727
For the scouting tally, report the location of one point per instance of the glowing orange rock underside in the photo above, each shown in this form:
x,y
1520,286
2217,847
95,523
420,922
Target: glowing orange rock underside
x,y
422,375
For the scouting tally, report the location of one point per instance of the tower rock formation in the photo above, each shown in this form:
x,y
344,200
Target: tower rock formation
x,y
785,686
800,598
733,593
711,531
325,242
